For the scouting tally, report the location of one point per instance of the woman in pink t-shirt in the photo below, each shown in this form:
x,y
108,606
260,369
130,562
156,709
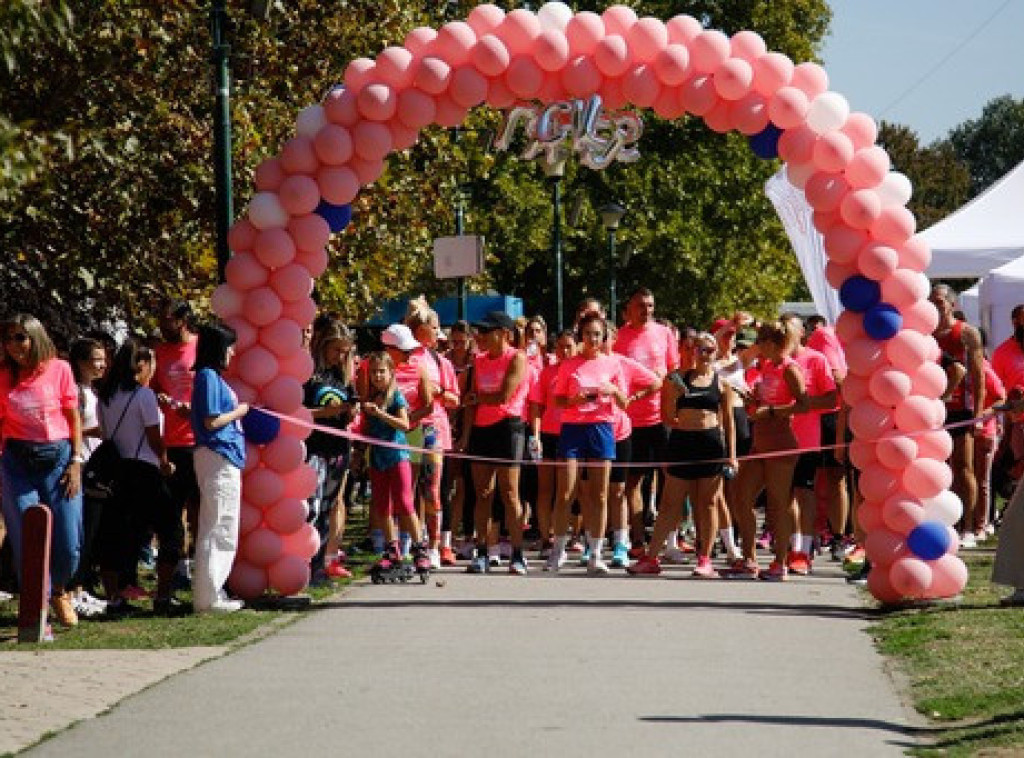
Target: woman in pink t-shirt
x,y
42,454
588,388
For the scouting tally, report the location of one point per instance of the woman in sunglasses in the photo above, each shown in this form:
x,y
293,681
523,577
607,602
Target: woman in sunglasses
x,y
43,455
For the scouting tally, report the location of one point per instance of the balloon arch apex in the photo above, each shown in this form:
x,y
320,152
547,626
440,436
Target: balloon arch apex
x,y
675,67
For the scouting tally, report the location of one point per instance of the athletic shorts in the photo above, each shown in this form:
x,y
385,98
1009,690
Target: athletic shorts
x,y
503,440
806,469
687,450
829,424
953,415
594,442
548,446
648,446
623,454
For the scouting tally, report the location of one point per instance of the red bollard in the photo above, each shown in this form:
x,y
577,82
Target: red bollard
x,y
35,573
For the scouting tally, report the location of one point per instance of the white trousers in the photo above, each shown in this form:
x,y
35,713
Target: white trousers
x,y
220,501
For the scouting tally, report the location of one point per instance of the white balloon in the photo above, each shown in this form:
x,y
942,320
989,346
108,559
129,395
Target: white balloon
x,y
266,211
945,507
895,189
309,121
828,112
554,15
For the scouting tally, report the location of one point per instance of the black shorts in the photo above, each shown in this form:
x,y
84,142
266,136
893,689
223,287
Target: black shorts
x,y
623,454
548,446
954,415
692,448
807,465
182,484
648,445
829,423
504,440
741,423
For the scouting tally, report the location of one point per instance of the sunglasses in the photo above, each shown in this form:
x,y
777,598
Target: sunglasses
x,y
16,337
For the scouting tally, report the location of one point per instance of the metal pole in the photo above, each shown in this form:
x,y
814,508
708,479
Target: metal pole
x,y
222,132
460,220
613,305
556,244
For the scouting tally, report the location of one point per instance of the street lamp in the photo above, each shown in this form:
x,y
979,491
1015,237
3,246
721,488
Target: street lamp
x,y
554,171
611,215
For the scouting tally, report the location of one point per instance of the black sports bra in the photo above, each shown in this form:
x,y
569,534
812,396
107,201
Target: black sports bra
x,y
699,398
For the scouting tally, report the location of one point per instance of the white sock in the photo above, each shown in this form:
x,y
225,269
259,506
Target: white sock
x,y
620,536
795,540
596,546
405,543
806,543
446,539
728,536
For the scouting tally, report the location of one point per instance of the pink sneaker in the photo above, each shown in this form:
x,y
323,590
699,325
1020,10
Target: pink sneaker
x,y
336,570
742,569
646,565
776,573
704,569
799,564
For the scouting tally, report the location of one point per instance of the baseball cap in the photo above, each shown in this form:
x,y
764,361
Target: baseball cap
x,y
495,320
399,336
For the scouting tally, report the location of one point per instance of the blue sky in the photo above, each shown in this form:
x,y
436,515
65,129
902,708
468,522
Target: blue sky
x,y
916,63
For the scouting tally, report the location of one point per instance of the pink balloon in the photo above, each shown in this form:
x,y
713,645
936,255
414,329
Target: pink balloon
x,y
368,171
469,87
415,109
865,356
287,515
954,539
454,42
883,547
274,247
298,156
518,31
916,414
310,232
284,454
811,78
299,431
709,50
905,287
262,306
524,77
907,350
877,261
641,87
283,394
419,40
611,92
844,243
372,141
672,65
683,29
484,19
377,102
895,225
868,168
719,118
291,282
247,581
618,19
747,45
261,547
490,56
241,236
849,326
825,191
449,113
581,77
927,477
304,542
869,515
263,487
244,332
338,185
698,95
333,144
877,482
227,301
880,586
269,175
921,317
911,577
825,220
283,337
289,575
302,312
895,452
855,389
249,517
832,151
647,38
498,93
861,128
836,273
888,386
265,211
612,56
860,208
915,254
750,114
394,67
796,145
868,420
314,261
733,78
772,72
788,107
551,50
669,105
901,513
433,75
402,137
928,380
358,74
949,577
257,366
340,107
861,452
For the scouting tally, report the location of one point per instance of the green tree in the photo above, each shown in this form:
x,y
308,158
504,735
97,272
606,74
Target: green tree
x,y
993,144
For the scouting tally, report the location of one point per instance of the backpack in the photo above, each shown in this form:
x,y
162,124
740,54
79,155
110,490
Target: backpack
x,y
100,475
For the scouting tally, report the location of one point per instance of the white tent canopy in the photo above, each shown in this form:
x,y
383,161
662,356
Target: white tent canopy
x,y
983,235
969,303
998,293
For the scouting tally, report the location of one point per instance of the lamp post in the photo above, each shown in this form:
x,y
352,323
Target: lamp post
x,y
611,215
222,132
554,171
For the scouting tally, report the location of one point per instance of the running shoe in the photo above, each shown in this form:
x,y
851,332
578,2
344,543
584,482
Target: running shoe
x,y
574,546
479,565
854,559
434,555
704,569
645,565
776,573
685,545
676,557
742,569
638,551
518,566
585,557
620,556
447,556
799,563
335,570
555,561
968,541
764,542
597,567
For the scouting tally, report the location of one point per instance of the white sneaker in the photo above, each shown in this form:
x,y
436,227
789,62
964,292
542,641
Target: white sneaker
x,y
225,606
555,561
87,606
435,558
968,541
597,567
676,557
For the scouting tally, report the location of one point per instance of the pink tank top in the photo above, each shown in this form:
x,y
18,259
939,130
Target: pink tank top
x,y
773,389
490,375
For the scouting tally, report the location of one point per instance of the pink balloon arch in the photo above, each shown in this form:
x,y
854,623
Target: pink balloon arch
x,y
676,68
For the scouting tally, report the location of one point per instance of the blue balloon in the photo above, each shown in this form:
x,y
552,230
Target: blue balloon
x,y
765,144
882,321
858,293
336,216
929,540
260,428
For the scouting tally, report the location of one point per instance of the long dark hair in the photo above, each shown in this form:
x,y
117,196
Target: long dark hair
x,y
41,348
124,369
81,351
212,348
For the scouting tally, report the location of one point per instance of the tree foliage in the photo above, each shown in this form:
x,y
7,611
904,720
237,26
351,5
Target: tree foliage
x,y
992,144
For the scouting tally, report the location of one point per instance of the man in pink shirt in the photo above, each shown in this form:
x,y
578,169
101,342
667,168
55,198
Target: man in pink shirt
x,y
653,346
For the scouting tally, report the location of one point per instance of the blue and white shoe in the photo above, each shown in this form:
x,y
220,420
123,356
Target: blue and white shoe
x,y
585,557
620,556
478,565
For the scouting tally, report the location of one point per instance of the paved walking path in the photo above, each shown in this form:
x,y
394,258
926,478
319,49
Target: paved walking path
x,y
546,665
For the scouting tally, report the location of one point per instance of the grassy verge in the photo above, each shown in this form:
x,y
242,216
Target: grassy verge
x,y
966,667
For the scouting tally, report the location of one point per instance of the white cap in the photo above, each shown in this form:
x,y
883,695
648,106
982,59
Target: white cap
x,y
399,336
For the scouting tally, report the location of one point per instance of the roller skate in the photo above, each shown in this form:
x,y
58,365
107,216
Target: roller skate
x,y
421,562
390,568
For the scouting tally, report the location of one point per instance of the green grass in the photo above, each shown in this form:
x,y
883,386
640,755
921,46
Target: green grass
x,y
965,665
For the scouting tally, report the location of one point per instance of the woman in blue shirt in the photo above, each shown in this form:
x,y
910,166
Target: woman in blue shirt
x,y
219,459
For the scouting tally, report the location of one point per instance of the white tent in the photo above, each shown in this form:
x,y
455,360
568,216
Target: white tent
x,y
982,235
998,293
968,302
